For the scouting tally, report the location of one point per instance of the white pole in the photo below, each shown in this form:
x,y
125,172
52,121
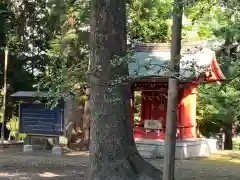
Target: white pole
x,y
4,95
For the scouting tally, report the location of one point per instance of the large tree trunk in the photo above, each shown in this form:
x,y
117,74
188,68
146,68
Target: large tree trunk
x,y
113,153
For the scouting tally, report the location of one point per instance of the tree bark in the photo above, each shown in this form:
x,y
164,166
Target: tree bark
x,y
74,127
173,91
113,153
79,125
86,121
228,144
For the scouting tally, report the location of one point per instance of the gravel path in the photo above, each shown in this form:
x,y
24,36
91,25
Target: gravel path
x,y
37,173
43,165
15,165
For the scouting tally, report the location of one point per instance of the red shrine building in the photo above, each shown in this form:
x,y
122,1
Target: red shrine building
x,y
150,69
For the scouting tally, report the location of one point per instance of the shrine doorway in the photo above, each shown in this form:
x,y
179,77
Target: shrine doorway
x,y
150,110
153,106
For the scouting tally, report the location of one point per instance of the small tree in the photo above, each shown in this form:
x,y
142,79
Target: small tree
x,y
173,86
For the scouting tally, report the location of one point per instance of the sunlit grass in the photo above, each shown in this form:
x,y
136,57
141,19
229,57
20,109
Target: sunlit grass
x,y
6,174
48,174
220,160
236,141
222,157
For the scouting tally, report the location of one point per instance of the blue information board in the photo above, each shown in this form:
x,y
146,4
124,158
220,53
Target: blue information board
x,y
38,119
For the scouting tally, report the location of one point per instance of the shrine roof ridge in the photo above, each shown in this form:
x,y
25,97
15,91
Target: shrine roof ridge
x,y
196,59
166,47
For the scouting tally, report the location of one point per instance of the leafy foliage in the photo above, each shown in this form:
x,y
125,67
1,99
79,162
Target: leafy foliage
x,y
137,106
218,105
68,52
149,21
13,126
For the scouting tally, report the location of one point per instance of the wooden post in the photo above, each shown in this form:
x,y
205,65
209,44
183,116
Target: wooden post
x,y
142,113
29,140
132,107
4,95
173,89
57,142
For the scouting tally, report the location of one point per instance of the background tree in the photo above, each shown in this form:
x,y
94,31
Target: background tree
x,y
66,70
149,21
20,74
218,104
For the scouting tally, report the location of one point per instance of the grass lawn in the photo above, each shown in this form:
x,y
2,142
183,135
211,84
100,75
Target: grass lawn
x,y
227,157
224,165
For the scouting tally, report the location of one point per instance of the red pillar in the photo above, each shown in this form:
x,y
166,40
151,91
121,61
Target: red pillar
x,y
187,121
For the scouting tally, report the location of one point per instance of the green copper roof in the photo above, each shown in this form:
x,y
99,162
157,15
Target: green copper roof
x,y
158,64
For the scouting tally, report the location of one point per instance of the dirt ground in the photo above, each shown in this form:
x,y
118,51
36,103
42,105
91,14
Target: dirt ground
x,y
16,165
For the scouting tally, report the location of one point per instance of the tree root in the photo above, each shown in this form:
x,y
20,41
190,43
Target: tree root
x,y
132,168
143,166
118,171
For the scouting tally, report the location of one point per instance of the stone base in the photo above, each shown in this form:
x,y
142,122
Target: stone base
x,y
27,148
57,150
184,148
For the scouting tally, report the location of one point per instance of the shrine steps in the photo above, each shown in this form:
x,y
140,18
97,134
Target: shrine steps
x,y
147,151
